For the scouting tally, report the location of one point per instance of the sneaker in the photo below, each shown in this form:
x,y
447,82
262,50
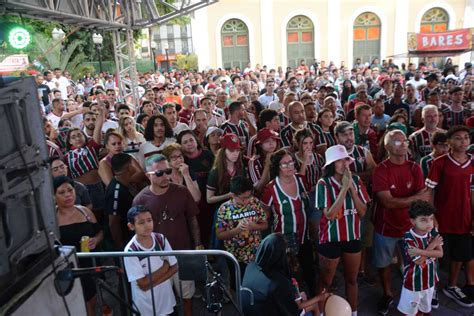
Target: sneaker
x,y
434,300
457,295
469,291
384,304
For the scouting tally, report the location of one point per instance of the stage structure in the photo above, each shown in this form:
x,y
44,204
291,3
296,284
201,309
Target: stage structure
x,y
118,16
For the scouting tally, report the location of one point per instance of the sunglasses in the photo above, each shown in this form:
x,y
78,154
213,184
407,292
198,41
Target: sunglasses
x,y
160,173
288,165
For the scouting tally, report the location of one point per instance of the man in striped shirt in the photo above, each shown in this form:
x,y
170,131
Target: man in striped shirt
x,y
238,123
422,247
421,139
455,114
440,147
298,122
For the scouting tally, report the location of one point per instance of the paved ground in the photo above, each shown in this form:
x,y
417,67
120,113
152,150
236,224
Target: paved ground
x,y
369,295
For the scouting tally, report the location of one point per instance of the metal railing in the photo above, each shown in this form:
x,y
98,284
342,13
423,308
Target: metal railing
x,y
176,253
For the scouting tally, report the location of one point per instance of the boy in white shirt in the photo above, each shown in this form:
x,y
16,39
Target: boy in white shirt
x,y
162,268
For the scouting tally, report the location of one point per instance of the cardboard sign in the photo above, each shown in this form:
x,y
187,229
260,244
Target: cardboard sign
x,y
442,41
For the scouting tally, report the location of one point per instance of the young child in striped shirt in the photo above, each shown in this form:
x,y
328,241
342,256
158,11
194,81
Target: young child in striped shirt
x,y
422,247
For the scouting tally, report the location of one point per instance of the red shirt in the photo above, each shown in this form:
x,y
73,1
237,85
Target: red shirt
x,y
453,183
185,116
402,181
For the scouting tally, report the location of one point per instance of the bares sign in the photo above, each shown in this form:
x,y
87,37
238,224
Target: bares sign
x,y
455,40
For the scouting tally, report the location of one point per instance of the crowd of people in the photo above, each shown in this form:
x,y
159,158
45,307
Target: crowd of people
x,y
370,165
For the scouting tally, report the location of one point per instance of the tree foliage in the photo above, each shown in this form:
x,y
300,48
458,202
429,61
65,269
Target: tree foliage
x,y
189,61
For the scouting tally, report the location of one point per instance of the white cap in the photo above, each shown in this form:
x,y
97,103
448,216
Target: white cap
x,y
212,129
335,153
451,77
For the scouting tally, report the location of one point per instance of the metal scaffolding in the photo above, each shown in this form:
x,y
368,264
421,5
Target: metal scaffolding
x,y
118,16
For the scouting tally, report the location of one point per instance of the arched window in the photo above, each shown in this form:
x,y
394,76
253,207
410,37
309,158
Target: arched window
x,y
367,28
235,44
434,20
300,41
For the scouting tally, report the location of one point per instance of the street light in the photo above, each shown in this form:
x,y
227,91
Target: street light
x,y
98,40
58,34
153,52
166,47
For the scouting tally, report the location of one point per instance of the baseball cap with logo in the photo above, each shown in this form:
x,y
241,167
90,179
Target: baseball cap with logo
x,y
230,141
266,133
335,153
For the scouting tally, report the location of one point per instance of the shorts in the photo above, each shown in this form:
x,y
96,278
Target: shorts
x,y
384,249
334,250
413,302
458,247
187,287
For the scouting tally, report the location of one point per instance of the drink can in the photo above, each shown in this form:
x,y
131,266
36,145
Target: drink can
x,y
85,244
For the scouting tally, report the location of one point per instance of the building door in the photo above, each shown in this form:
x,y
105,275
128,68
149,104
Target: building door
x,y
366,37
235,44
433,21
300,41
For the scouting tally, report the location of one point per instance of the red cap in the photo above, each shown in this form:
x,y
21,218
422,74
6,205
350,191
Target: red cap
x,y
211,86
385,79
470,122
230,141
266,133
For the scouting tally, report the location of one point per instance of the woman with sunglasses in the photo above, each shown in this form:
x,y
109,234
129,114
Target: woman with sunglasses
x,y
287,197
343,199
180,173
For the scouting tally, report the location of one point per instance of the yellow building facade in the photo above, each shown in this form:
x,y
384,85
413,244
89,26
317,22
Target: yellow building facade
x,y
279,32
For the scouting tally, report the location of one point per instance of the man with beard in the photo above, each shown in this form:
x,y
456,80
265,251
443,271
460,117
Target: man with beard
x,y
421,139
174,215
89,123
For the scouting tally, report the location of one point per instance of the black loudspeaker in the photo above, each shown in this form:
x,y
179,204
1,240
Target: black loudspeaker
x,y
27,211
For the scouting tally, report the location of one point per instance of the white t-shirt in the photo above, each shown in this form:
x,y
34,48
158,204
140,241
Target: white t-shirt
x,y
148,149
80,89
63,83
276,105
137,268
108,124
76,120
54,119
267,99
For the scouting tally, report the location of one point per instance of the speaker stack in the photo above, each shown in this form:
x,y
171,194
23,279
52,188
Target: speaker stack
x,y
27,211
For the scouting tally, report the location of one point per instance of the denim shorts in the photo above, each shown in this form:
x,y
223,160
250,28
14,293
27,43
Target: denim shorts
x,y
384,249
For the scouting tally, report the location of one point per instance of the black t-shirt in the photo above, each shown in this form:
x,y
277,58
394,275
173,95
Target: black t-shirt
x,y
391,107
44,91
200,166
118,200
272,296
409,75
